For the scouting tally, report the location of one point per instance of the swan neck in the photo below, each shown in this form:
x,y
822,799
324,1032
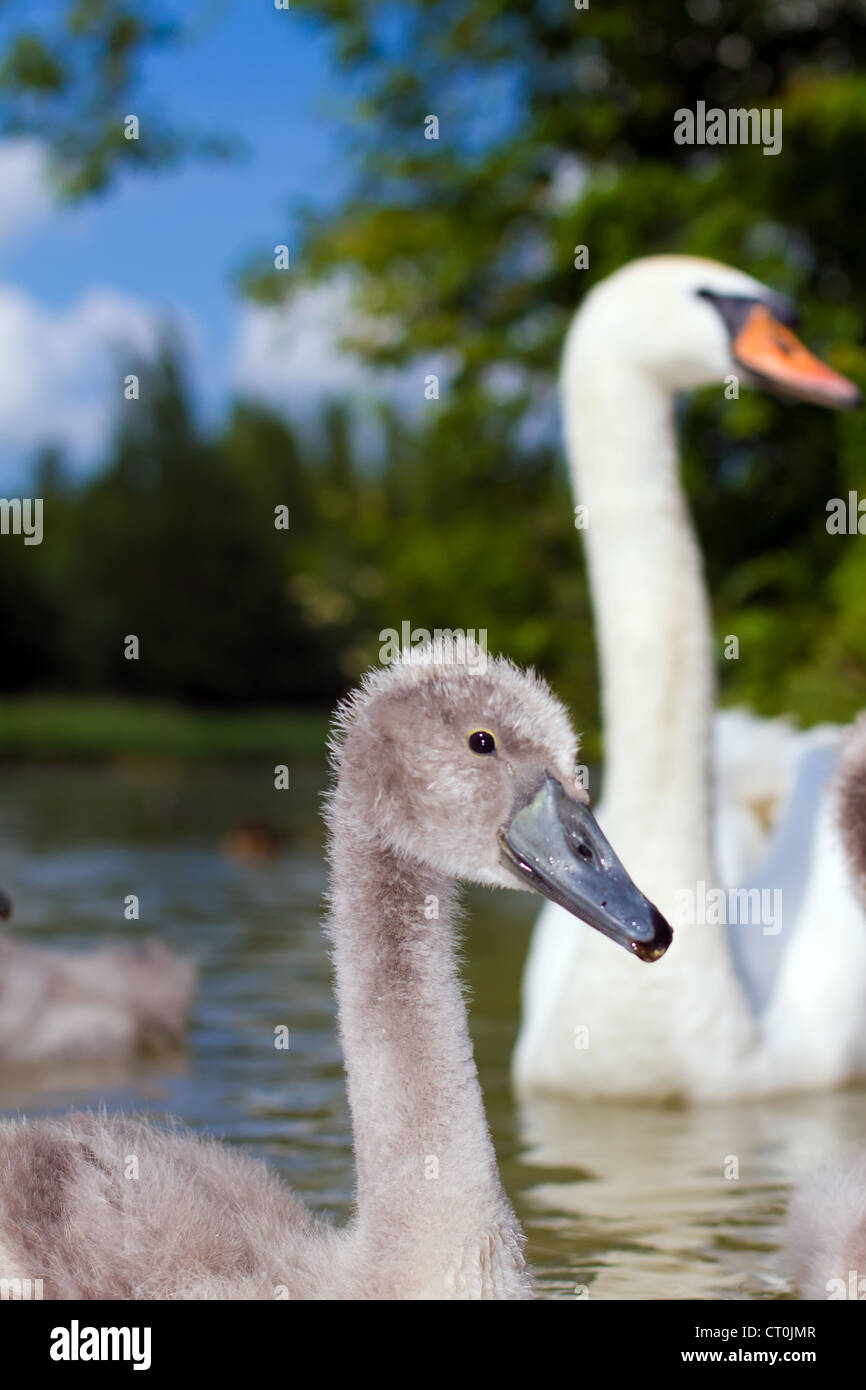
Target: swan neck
x,y
427,1177
652,621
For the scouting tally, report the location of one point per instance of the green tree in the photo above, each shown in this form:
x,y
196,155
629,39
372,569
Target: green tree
x,y
556,131
67,72
171,545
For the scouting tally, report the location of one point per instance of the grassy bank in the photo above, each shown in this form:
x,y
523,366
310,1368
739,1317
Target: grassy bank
x,y
51,728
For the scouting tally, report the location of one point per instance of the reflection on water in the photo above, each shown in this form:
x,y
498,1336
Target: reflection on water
x,y
620,1201
670,1202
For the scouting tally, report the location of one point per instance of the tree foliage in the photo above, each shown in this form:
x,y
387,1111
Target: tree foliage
x,y
173,540
555,130
68,71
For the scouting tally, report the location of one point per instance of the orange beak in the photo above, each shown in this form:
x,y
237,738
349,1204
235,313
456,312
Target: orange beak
x,y
774,355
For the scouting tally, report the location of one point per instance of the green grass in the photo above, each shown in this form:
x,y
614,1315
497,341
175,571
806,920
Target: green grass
x,y
49,728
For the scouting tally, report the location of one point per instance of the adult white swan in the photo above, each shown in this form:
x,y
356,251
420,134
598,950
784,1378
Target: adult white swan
x,y
732,1011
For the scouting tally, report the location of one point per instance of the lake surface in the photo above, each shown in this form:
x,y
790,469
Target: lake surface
x,y
618,1201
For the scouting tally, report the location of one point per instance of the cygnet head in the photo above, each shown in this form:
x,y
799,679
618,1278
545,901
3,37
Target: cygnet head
x,y
467,764
690,322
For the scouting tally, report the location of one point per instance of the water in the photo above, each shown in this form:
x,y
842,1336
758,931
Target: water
x,y
618,1201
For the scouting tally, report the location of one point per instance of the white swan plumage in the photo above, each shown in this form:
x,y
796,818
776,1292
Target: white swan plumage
x,y
732,1010
825,1230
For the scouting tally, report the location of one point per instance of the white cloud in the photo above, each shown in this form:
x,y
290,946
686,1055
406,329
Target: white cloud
x,y
61,371
26,195
291,356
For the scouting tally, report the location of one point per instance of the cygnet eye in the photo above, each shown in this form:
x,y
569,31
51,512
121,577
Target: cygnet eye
x,y
482,741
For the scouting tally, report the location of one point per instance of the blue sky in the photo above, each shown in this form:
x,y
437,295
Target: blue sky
x,y
174,241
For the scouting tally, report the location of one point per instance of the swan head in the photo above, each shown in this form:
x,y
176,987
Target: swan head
x,y
466,764
688,322
5,905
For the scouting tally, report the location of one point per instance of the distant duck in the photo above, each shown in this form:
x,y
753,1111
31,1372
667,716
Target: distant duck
x,y
253,842
112,1004
443,773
